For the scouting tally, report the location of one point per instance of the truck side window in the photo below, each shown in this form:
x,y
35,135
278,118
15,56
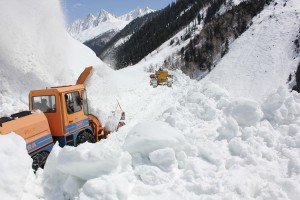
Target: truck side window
x,y
72,105
45,104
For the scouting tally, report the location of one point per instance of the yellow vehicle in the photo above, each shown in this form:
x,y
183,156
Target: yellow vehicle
x,y
57,114
161,77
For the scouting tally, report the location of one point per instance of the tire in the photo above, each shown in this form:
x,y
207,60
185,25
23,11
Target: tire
x,y
39,160
153,82
84,137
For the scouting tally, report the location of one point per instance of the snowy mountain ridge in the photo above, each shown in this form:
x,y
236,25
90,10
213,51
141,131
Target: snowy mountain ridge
x,y
94,25
138,12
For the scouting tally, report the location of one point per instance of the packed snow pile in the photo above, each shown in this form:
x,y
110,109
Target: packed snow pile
x,y
196,140
149,136
180,153
15,166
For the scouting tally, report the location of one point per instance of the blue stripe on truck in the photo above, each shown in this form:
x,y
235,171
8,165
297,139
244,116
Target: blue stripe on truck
x,y
77,125
43,141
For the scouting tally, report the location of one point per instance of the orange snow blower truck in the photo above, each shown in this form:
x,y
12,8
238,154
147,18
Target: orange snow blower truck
x,y
57,114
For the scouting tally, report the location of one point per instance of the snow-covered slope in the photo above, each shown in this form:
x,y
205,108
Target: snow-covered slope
x,y
193,141
30,52
104,21
260,60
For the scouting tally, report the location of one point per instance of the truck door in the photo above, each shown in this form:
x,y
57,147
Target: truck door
x,y
75,118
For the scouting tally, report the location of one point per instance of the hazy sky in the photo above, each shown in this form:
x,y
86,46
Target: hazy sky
x,y
79,9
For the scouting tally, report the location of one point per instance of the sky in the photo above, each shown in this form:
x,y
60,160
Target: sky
x,y
79,9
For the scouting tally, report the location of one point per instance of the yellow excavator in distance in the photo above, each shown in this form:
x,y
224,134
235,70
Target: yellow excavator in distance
x,y
161,77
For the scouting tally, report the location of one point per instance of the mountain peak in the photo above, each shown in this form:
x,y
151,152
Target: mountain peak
x,y
88,22
138,12
90,15
104,16
91,21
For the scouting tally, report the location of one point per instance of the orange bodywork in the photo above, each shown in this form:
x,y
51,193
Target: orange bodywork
x,y
162,76
31,128
84,75
60,121
99,130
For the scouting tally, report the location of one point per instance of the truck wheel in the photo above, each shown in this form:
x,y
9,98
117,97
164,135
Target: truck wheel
x,y
39,160
84,137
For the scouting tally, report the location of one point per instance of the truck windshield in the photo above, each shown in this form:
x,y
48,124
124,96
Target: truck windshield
x,y
45,104
73,102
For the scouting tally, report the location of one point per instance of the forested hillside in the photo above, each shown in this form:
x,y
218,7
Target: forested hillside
x,y
212,43
170,20
107,52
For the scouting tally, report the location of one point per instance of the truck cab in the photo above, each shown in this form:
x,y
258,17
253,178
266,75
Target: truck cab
x,y
67,112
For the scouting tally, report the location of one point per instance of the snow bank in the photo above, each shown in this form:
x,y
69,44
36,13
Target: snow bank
x,y
96,159
147,137
15,166
103,95
239,139
281,107
164,159
114,187
244,111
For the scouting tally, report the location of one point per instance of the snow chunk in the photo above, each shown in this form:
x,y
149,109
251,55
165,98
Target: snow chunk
x,y
274,101
113,187
267,132
164,159
282,107
96,159
248,132
171,120
149,136
238,148
199,105
229,129
246,112
213,91
14,158
152,175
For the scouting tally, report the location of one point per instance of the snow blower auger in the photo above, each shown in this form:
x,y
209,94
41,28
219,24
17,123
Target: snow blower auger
x,y
58,114
161,77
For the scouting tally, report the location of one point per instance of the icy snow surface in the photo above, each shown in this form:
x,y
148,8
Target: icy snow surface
x,y
193,141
